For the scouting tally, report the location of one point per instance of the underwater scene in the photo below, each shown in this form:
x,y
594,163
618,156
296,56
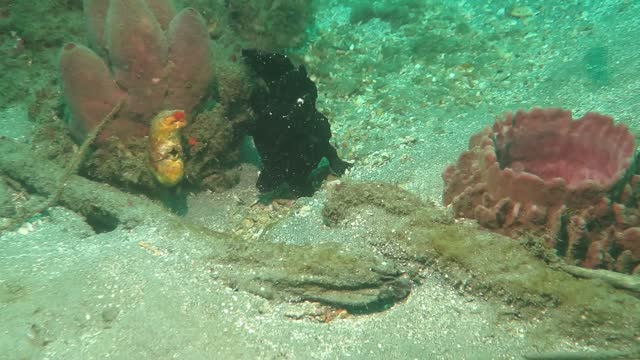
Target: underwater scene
x,y
319,179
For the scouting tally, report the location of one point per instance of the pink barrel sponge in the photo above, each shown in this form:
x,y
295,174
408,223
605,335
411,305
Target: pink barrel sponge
x,y
572,181
142,52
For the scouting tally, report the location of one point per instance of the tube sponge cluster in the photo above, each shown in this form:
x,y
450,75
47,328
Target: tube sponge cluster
x,y
141,51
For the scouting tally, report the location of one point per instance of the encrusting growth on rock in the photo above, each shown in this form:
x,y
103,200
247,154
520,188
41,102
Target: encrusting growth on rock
x,y
165,150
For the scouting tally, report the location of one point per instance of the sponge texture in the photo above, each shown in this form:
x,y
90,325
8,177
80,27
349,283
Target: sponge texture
x,y
141,51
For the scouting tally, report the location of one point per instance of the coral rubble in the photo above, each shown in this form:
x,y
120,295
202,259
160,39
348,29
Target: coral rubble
x,y
572,181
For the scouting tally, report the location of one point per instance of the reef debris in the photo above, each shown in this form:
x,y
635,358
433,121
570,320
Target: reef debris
x,y
362,279
572,181
332,274
71,169
416,236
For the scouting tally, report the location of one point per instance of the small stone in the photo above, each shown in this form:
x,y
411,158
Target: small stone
x,y
7,206
301,311
520,11
304,211
247,223
109,314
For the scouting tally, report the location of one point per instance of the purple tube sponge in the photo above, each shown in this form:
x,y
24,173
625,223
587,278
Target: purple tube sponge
x,y
141,51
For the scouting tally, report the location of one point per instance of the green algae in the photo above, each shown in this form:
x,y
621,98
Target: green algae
x,y
327,273
496,267
382,195
380,273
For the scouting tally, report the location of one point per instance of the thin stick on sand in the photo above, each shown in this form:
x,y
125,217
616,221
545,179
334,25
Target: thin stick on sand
x,y
71,169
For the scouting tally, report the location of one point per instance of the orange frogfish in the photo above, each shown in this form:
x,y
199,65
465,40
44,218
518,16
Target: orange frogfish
x,y
165,149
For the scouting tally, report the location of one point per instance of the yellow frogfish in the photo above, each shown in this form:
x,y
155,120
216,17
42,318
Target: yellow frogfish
x,y
165,149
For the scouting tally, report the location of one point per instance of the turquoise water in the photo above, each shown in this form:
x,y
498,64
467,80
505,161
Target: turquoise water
x,y
153,206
